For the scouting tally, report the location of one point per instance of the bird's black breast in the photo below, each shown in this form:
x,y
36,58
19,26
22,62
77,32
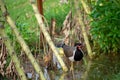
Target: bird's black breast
x,y
78,55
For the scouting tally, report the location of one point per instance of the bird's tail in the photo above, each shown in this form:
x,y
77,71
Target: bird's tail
x,y
61,44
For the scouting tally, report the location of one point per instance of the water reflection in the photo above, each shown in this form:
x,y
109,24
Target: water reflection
x,y
46,74
102,68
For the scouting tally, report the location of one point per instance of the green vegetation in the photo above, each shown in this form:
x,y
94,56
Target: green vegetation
x,y
23,15
105,27
105,31
53,9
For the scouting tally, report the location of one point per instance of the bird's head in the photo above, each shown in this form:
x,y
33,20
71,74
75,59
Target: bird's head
x,y
78,45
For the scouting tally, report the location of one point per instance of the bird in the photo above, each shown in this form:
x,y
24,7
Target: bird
x,y
73,53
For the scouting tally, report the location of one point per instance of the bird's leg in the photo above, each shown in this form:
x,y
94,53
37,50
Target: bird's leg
x,y
71,67
72,70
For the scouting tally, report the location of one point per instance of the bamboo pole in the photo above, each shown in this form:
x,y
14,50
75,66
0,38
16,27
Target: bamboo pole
x,y
83,31
12,53
47,36
22,42
85,75
85,6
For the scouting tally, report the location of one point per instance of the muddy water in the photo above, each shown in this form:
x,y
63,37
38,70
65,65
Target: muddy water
x,y
106,67
58,75
55,73
103,68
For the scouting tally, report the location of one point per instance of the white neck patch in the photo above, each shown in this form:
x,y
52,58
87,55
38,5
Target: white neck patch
x,y
72,57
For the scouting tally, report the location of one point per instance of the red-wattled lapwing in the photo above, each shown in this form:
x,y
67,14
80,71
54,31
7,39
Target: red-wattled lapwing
x,y
73,53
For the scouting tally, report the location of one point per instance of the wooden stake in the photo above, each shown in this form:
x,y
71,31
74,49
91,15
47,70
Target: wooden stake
x,y
40,9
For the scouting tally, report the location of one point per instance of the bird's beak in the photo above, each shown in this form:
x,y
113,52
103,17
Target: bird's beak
x,y
79,47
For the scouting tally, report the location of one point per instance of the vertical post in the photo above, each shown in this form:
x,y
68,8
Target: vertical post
x,y
40,9
40,6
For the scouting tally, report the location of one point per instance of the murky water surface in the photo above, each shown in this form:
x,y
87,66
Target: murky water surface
x,y
103,68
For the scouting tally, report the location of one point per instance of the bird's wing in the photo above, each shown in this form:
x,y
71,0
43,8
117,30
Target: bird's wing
x,y
68,50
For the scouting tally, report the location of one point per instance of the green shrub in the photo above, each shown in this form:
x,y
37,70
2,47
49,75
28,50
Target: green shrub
x,y
105,28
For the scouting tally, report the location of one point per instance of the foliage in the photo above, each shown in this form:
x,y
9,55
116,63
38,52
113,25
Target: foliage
x,y
117,77
23,15
105,28
53,9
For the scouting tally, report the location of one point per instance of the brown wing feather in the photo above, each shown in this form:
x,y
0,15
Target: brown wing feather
x,y
68,50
